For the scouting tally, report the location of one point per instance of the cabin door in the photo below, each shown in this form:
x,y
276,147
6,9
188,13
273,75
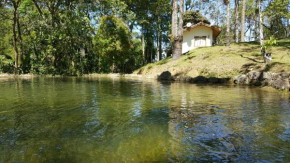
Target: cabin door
x,y
200,41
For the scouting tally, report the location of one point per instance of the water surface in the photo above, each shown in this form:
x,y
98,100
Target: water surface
x,y
83,120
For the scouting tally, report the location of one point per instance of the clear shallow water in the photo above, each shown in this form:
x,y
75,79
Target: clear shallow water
x,y
85,120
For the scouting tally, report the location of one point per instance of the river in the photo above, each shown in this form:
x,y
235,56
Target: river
x,y
83,120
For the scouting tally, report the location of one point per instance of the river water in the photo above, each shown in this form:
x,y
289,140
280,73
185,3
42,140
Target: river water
x,y
84,120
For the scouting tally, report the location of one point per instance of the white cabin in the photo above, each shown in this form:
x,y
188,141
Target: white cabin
x,y
198,35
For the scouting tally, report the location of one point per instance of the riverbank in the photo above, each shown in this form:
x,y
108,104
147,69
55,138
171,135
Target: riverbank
x,y
276,80
220,64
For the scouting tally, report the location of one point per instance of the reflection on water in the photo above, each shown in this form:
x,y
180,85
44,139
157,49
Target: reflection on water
x,y
117,120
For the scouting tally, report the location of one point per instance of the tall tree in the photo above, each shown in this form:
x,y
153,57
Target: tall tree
x,y
236,21
260,22
16,4
243,21
177,28
227,2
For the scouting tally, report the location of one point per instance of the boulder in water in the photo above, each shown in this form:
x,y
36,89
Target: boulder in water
x,y
166,75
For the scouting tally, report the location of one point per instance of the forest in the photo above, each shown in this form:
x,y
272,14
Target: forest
x,y
75,37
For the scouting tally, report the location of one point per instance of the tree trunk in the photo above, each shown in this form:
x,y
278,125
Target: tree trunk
x,y
174,26
174,18
287,33
178,38
236,21
15,6
255,34
260,23
143,47
180,28
228,24
20,41
160,44
243,22
177,29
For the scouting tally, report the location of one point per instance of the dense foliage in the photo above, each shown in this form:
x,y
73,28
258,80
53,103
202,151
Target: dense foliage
x,y
194,18
76,37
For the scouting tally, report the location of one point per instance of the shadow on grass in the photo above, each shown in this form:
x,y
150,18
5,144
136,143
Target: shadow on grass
x,y
189,58
284,43
253,59
250,43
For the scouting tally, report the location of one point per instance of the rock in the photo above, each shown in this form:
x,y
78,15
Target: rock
x,y
254,75
275,76
241,79
281,84
166,75
266,75
276,80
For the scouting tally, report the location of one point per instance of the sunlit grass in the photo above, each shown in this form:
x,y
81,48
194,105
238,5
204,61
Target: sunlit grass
x,y
222,61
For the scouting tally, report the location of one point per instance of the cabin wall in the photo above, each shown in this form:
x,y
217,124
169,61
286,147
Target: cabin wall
x,y
200,31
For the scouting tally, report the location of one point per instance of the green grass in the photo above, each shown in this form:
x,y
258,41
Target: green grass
x,y
222,61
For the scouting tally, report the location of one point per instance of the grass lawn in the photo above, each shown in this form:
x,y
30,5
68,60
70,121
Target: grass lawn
x,y
223,62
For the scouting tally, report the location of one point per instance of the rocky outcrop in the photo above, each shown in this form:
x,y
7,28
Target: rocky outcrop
x,y
277,80
166,75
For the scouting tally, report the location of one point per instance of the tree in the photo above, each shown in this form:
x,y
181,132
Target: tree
x,y
177,29
236,21
260,22
277,22
227,2
15,5
113,41
243,21
194,18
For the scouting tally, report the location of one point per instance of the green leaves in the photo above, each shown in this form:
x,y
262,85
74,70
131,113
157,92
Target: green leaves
x,y
113,42
194,18
269,43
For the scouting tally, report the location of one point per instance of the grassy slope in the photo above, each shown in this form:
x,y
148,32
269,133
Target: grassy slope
x,y
221,61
